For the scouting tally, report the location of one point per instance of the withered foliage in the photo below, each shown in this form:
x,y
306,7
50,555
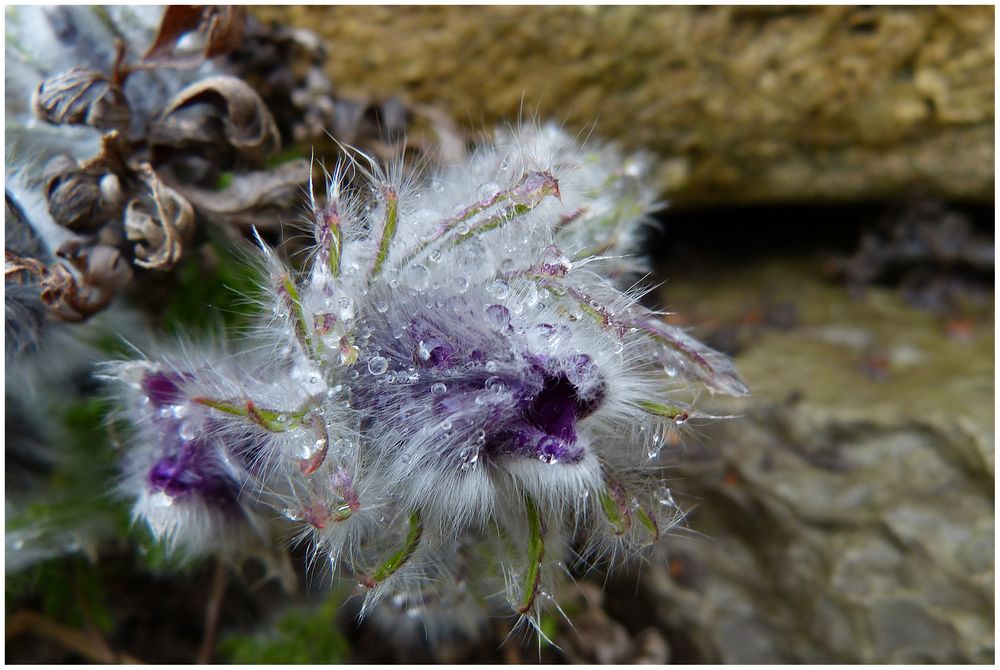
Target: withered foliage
x,y
930,252
212,154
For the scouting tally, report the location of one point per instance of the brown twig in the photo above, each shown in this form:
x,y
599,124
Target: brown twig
x,y
90,624
212,612
33,623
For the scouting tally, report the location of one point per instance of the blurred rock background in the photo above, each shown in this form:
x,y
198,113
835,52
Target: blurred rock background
x,y
741,104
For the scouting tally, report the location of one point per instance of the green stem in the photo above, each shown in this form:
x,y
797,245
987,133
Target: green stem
x,y
674,412
269,419
492,223
397,560
303,327
536,552
389,225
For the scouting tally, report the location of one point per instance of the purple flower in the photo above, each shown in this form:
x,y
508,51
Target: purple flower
x,y
462,374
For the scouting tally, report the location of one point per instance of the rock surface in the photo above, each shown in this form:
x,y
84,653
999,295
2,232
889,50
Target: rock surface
x,y
848,515
740,103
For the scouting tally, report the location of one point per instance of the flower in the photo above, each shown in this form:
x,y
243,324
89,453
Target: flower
x,y
460,384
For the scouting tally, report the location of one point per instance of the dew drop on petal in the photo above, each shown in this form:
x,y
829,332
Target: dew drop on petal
x,y
500,289
420,274
378,365
488,190
188,430
438,388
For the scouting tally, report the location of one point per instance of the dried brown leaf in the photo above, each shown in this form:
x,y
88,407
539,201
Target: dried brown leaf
x,y
158,221
224,30
253,198
247,126
221,27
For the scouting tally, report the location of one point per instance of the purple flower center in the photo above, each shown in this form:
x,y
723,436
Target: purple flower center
x,y
163,388
192,470
484,392
546,428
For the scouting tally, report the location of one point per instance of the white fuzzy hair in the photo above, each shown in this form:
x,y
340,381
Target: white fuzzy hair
x,y
434,309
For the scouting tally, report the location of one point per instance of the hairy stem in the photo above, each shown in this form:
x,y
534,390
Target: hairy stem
x,y
536,552
389,225
397,560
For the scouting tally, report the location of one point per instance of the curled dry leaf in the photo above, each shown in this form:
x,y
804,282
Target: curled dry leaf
x,y
83,282
253,198
158,221
221,29
82,97
248,129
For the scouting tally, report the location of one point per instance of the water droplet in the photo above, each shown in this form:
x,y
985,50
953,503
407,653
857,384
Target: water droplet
x,y
530,296
420,274
468,456
507,264
188,430
180,411
494,385
497,316
488,190
500,289
378,365
434,255
382,306
655,446
666,497
438,388
346,311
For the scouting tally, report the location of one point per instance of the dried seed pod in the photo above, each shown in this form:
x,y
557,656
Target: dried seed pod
x,y
79,198
158,221
100,271
195,116
82,97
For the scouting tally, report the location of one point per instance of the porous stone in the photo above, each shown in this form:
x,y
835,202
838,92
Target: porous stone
x,y
847,515
739,103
